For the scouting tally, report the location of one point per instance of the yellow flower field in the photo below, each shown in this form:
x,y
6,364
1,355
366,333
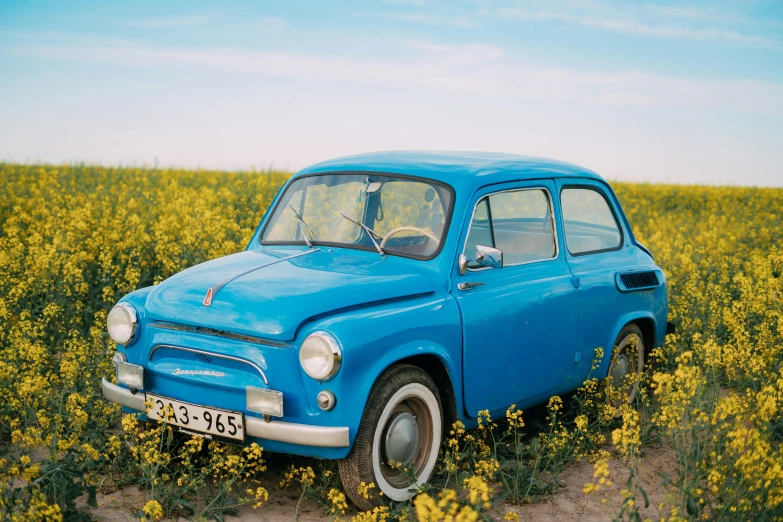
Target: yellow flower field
x,y
74,239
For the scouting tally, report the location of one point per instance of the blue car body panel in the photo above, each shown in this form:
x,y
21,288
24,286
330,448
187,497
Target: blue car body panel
x,y
527,333
520,325
273,301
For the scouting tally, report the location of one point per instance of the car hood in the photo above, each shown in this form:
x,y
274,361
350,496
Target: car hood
x,y
273,300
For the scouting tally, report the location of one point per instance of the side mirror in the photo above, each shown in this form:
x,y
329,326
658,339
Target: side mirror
x,y
486,257
489,257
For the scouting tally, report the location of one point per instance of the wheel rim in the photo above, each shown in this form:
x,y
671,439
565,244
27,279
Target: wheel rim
x,y
620,369
401,439
627,365
407,438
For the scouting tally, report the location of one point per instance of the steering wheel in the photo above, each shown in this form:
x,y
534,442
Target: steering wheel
x,y
393,231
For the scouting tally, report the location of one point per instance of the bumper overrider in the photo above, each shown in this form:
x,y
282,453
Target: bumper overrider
x,y
290,432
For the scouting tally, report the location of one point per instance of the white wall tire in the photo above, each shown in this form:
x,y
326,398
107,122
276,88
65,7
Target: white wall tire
x,y
403,405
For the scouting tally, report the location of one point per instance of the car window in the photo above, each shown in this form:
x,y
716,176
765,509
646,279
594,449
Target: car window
x,y
517,222
479,232
402,200
319,205
590,224
409,214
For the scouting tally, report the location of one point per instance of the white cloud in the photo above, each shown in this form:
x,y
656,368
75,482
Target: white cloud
x,y
431,19
474,69
633,26
459,55
713,14
174,21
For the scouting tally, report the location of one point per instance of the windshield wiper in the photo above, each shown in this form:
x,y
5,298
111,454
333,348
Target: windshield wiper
x,y
370,231
302,227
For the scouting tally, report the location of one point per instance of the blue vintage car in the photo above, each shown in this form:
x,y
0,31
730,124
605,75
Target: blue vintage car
x,y
384,296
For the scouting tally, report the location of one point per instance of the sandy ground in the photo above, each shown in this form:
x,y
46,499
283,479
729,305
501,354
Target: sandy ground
x,y
568,504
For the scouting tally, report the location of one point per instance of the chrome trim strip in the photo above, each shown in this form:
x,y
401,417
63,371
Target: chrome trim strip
x,y
552,218
212,292
123,396
294,433
291,432
210,354
163,325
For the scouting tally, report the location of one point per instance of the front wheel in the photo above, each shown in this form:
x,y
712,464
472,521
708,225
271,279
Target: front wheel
x,y
402,423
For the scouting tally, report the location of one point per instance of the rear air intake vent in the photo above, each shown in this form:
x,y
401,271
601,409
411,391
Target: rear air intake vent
x,y
643,280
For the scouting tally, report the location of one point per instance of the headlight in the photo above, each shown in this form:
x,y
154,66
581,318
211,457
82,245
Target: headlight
x,y
122,323
320,356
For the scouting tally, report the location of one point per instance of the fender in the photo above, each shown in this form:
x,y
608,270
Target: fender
x,y
619,324
372,341
138,298
412,349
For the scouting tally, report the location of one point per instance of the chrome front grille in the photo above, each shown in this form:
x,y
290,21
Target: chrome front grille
x,y
208,357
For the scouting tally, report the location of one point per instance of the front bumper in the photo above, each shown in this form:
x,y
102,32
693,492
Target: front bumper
x,y
290,432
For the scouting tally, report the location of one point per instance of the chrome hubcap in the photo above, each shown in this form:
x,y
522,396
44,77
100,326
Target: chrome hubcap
x,y
620,369
402,438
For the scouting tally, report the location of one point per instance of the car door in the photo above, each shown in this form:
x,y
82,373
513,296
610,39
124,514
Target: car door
x,y
595,247
519,321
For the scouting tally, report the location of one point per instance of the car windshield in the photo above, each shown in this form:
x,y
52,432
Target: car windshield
x,y
407,216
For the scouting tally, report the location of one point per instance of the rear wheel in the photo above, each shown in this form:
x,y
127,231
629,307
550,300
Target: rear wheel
x,y
402,423
627,364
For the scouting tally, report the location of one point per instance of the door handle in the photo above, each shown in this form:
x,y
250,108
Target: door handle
x,y
468,286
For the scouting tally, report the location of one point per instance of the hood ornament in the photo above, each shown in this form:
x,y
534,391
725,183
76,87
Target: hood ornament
x,y
214,290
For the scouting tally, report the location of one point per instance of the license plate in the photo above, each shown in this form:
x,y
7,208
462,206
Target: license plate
x,y
192,419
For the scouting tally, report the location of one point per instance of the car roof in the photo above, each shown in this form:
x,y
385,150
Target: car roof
x,y
462,170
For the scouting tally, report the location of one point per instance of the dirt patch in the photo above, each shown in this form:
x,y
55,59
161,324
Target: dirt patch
x,y
570,503
119,506
567,505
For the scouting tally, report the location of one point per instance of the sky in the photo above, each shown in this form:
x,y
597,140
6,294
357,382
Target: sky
x,y
640,91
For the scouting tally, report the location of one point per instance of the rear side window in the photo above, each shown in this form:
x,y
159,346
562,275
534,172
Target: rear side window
x,y
518,222
590,224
